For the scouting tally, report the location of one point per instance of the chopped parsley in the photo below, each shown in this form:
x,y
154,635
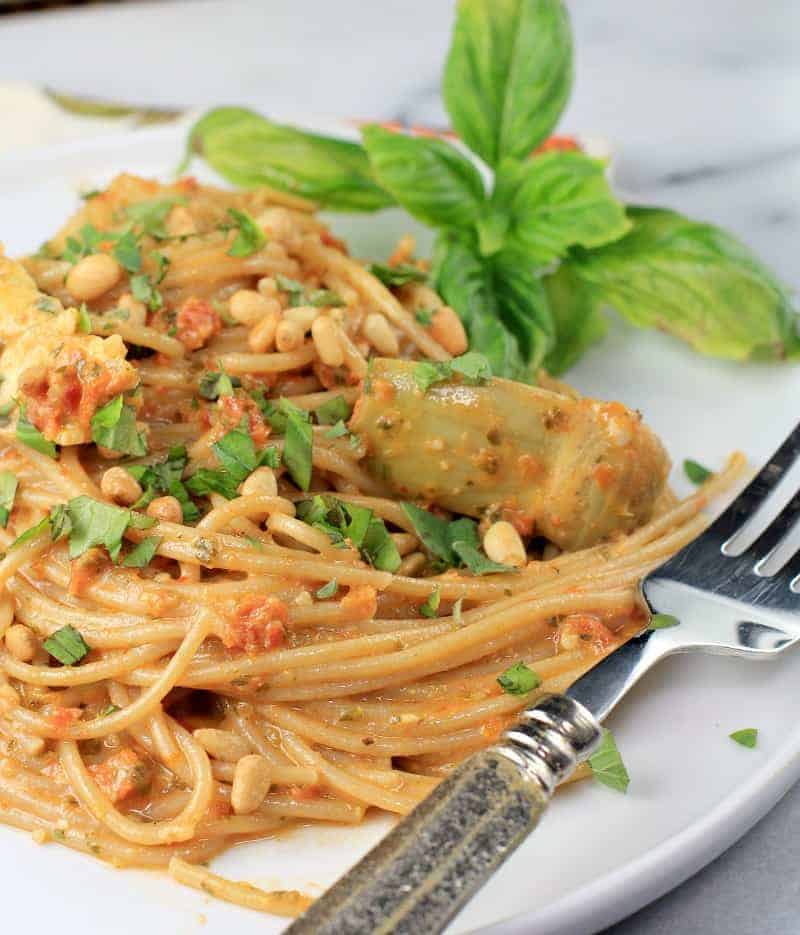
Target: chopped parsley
x,y
8,491
143,553
126,252
84,319
400,275
607,766
328,590
662,622
250,236
67,646
519,679
29,435
424,316
298,444
337,431
144,290
149,216
92,523
165,478
318,298
214,384
452,544
746,737
431,605
346,523
333,411
85,243
237,454
114,427
472,367
695,471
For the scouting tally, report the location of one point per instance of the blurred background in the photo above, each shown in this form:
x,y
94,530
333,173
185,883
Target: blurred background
x,y
698,102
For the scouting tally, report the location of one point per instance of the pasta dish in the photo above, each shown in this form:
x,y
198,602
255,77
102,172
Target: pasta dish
x,y
278,548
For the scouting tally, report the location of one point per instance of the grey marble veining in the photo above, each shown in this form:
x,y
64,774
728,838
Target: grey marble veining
x,y
700,101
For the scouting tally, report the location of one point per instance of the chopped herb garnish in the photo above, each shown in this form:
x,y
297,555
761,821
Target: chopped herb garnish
x,y
109,710
149,216
472,367
8,490
295,290
607,766
324,298
424,316
238,457
400,275
333,411
297,446
5,411
93,523
337,431
162,265
318,298
84,319
328,590
143,289
250,237
126,252
29,435
431,605
457,612
519,679
67,646
47,304
143,553
165,478
114,427
696,473
31,533
662,622
88,195
87,241
214,384
746,737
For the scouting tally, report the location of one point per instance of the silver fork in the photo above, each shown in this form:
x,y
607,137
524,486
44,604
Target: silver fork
x,y
735,591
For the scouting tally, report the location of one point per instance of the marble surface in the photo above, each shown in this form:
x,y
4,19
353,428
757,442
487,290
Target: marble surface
x,y
699,102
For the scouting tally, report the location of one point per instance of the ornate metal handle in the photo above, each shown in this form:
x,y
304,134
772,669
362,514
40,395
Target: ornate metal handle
x,y
419,876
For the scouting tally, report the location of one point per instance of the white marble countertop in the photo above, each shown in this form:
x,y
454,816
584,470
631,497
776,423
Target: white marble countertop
x,y
700,102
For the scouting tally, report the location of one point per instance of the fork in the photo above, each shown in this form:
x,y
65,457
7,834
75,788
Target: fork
x,y
735,591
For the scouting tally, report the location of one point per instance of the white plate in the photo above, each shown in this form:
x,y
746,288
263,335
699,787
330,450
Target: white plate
x,y
598,855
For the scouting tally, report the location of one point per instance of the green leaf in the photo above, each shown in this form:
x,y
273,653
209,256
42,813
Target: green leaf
x,y
379,548
473,368
333,411
578,321
250,237
432,532
8,491
250,150
693,281
337,431
67,646
214,384
508,74
126,252
523,305
424,316
519,679
662,622
31,533
149,216
400,275
95,523
557,200
431,605
430,178
346,522
477,561
144,290
328,590
114,427
746,737
206,481
695,471
237,453
29,435
165,478
143,553
297,446
84,319
87,241
607,766
295,290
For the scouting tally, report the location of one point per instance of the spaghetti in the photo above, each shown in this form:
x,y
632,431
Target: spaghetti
x,y
217,667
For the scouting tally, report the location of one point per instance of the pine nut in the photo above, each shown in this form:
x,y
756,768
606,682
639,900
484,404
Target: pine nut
x,y
276,223
447,330
326,340
262,334
92,276
304,315
167,509
267,287
251,783
502,543
378,332
222,744
412,564
21,642
261,482
288,336
180,222
248,306
120,486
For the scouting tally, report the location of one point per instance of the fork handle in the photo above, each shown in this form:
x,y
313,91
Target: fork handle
x,y
419,876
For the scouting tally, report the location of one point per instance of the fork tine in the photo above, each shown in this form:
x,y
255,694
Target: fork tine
x,y
763,500
781,553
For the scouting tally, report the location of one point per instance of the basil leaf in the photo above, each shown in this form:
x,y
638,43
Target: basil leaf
x,y
206,481
662,622
473,368
557,200
143,553
144,290
95,523
297,446
337,431
84,319
29,435
250,238
424,316
477,562
236,453
66,645
250,150
378,547
697,473
431,605
400,275
31,533
523,305
333,411
578,321
746,737
114,427
295,290
60,523
8,491
358,525
695,282
126,252
607,766
88,240
508,74
150,216
519,679
213,385
165,478
432,532
328,590
430,178
177,489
